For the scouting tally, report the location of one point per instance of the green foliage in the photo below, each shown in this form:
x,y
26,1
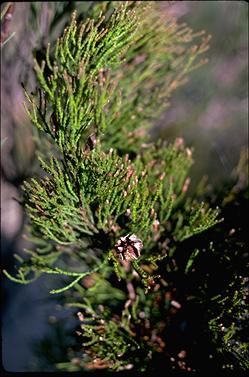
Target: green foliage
x,y
232,315
191,260
199,219
74,95
97,83
100,87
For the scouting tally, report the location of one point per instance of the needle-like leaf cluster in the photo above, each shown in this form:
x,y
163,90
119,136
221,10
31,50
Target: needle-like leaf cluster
x,y
100,88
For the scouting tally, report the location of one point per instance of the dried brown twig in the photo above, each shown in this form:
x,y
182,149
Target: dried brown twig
x,y
6,17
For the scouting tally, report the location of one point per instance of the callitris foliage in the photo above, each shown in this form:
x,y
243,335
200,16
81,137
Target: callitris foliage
x,y
102,180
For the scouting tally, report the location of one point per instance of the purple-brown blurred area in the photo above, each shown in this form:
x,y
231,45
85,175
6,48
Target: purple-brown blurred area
x,y
210,112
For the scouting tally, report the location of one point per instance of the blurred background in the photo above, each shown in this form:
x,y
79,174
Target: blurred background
x,y
210,112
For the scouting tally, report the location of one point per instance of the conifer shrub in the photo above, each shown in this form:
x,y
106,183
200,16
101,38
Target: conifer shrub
x,y
110,212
